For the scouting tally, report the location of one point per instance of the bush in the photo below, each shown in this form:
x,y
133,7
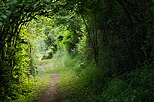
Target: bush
x,y
48,56
136,86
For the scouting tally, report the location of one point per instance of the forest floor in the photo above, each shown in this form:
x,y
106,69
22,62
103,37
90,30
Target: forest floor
x,y
55,79
51,93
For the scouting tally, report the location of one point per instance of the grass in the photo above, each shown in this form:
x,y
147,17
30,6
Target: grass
x,y
35,85
86,83
75,80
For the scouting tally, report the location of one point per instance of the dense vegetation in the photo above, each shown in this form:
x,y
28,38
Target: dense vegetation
x,y
104,49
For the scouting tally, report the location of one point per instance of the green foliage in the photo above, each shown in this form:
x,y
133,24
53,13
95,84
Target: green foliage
x,y
48,56
32,87
41,27
104,48
69,40
137,88
81,82
16,62
24,66
70,32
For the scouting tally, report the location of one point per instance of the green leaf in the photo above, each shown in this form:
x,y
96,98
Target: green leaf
x,y
114,100
1,23
8,12
4,16
14,1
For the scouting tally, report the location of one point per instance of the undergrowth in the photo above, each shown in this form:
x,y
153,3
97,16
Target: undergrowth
x,y
82,82
85,83
34,85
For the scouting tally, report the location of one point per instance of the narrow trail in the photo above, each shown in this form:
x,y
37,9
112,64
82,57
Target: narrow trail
x,y
42,67
51,94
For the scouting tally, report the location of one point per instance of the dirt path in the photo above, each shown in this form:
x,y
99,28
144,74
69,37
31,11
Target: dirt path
x,y
51,94
42,67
